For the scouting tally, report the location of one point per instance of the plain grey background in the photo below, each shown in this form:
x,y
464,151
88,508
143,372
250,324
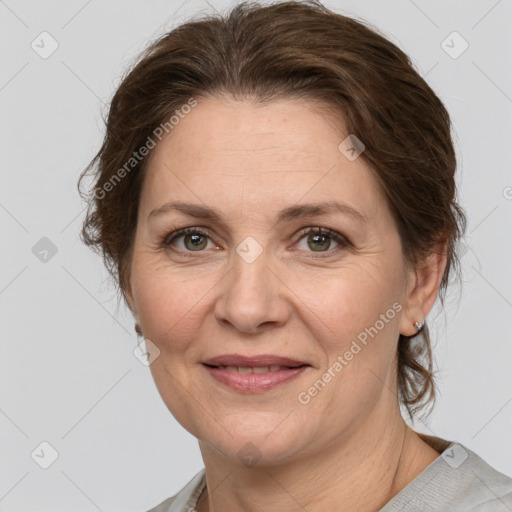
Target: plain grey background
x,y
68,374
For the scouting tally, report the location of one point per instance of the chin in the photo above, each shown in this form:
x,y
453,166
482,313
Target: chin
x,y
255,443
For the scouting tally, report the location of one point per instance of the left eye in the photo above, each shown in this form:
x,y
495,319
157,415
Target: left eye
x,y
321,238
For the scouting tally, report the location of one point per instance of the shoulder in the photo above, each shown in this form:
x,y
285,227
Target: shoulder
x,y
482,487
185,500
498,504
459,480
489,490
165,505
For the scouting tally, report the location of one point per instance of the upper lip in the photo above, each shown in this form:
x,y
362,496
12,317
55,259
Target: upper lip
x,y
252,361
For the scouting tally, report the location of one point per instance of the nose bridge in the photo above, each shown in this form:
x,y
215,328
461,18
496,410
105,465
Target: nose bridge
x,y
251,293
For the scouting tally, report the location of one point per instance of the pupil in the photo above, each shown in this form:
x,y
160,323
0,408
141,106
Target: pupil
x,y
196,241
316,238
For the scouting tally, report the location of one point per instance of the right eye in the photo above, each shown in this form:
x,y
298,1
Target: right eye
x,y
194,239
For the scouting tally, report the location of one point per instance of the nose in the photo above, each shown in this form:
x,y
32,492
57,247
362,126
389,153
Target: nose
x,y
253,296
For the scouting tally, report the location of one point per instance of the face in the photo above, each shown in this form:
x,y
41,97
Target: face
x,y
326,289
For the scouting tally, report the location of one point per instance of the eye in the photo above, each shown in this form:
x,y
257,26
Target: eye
x,y
320,240
194,239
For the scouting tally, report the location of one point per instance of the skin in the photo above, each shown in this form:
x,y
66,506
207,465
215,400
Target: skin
x,y
348,448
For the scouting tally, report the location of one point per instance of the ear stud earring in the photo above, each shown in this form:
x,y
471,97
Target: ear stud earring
x,y
419,326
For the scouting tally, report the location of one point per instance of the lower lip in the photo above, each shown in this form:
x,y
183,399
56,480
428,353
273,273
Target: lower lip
x,y
254,382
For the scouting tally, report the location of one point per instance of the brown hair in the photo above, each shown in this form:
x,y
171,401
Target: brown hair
x,y
283,50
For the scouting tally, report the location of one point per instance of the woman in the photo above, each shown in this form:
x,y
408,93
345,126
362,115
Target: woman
x,y
275,197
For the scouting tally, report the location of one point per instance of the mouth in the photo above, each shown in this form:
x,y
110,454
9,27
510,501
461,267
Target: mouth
x,y
256,374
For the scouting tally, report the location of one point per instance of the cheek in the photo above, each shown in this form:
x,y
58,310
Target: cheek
x,y
172,309
357,327
349,300
357,311
171,304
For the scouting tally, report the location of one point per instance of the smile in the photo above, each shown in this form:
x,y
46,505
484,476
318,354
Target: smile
x,y
257,379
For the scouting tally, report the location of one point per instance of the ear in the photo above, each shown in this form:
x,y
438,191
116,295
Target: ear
x,y
128,293
127,287
422,288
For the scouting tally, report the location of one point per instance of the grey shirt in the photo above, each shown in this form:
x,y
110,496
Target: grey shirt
x,y
457,481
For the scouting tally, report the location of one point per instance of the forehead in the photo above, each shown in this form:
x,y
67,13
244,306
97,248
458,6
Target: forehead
x,y
219,127
262,154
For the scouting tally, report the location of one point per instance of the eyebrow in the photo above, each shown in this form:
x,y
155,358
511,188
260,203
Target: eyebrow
x,y
288,214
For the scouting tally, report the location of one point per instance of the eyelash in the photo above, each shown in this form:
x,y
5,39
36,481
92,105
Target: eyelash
x,y
167,240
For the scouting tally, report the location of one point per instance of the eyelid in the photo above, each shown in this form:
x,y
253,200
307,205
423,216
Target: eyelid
x,y
168,239
342,241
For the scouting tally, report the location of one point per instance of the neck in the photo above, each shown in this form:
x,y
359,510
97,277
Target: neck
x,y
362,473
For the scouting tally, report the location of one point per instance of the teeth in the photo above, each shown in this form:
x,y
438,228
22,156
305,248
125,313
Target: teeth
x,y
252,369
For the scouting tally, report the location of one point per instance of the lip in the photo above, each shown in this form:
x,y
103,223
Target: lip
x,y
254,382
251,361
250,383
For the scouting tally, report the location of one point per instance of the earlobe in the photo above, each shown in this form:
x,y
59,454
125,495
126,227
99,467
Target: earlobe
x,y
427,279
133,309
